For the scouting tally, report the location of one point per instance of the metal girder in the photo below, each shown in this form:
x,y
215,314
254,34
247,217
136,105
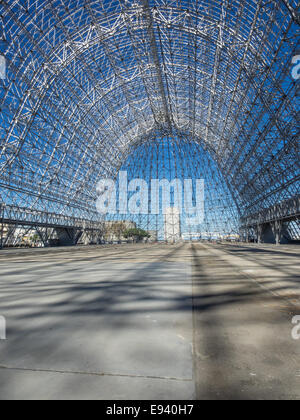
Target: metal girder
x,y
23,216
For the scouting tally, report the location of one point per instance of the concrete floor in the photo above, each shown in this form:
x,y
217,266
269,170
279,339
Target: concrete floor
x,y
189,321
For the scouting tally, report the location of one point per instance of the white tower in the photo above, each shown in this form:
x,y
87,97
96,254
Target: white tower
x,y
172,225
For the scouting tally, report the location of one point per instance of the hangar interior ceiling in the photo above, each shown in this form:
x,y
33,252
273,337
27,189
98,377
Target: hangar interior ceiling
x,y
90,82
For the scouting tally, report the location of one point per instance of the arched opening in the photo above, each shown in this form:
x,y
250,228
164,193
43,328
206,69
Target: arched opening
x,y
173,172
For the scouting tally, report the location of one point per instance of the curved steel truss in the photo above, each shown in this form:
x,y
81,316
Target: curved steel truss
x,y
86,81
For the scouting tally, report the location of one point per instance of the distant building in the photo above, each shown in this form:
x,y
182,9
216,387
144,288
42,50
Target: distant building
x,y
113,230
127,224
172,225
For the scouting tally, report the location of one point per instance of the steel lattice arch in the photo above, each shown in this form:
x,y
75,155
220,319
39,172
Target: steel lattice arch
x,y
91,85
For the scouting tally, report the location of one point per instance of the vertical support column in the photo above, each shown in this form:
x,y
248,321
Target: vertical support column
x,y
77,235
277,230
2,225
259,233
43,234
247,235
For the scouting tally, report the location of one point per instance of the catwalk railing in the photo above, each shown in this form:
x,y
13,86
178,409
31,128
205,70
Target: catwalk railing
x,y
285,211
14,215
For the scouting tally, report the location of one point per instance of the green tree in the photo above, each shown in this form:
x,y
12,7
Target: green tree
x,y
34,238
136,233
